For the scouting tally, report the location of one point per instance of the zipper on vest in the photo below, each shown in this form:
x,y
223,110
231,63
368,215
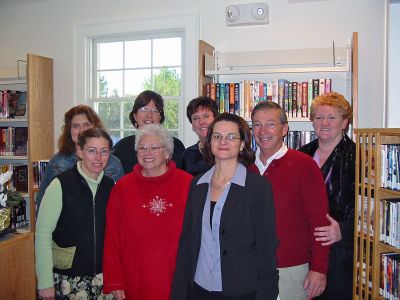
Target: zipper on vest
x,y
94,238
94,233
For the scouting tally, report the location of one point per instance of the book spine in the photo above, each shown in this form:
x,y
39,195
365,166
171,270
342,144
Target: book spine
x,y
328,85
269,91
241,99
237,99
321,86
232,97
315,88
294,99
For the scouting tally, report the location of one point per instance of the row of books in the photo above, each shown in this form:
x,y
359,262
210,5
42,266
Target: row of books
x,y
19,179
390,222
390,176
241,97
390,276
14,141
12,104
295,138
39,167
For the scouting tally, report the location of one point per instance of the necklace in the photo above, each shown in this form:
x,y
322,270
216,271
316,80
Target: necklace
x,y
219,186
201,147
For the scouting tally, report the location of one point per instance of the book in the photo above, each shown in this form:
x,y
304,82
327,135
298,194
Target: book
x,y
13,97
294,99
232,97
20,109
304,99
21,141
321,86
237,99
315,87
20,178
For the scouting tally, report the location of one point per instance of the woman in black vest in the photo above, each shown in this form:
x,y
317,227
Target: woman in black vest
x,y
71,223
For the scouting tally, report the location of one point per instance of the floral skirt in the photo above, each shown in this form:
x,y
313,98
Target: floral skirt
x,y
80,288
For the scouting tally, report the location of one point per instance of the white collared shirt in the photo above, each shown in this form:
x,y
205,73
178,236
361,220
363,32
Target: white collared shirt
x,y
278,154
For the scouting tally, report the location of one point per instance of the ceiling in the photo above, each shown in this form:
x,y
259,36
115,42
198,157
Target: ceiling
x,y
17,2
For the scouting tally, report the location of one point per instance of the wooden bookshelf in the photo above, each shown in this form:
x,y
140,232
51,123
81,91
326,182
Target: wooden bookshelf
x,y
368,247
17,272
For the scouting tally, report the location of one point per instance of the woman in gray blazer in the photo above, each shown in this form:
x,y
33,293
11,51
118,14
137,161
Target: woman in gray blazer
x,y
228,242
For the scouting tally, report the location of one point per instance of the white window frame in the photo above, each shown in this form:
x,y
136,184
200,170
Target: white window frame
x,y
188,24
94,101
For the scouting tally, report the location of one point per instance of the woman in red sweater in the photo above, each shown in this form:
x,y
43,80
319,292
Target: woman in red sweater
x,y
144,221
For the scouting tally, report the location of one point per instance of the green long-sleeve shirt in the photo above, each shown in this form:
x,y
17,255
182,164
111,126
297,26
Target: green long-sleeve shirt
x,y
49,213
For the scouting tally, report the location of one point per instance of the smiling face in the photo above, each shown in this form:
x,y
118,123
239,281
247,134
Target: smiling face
x,y
201,120
94,156
147,117
79,123
223,148
153,161
328,124
269,140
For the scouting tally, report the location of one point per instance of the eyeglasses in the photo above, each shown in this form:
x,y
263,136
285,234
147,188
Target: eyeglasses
x,y
269,125
152,149
93,151
147,110
85,125
216,137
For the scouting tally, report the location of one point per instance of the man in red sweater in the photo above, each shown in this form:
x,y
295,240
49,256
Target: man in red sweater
x,y
301,205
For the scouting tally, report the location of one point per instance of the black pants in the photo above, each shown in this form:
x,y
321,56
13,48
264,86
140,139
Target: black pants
x,y
340,274
198,293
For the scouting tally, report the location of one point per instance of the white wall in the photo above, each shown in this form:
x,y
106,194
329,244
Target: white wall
x,y
393,108
46,28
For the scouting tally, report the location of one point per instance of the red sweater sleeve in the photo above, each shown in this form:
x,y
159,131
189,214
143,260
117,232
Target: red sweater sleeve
x,y
316,208
112,265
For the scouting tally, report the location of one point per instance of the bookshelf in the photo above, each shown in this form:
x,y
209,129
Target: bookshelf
x,y
371,222
17,275
296,65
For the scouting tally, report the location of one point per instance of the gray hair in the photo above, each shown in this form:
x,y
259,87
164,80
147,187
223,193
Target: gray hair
x,y
266,105
159,131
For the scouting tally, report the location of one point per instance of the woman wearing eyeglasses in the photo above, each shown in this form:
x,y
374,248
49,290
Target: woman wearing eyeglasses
x,y
76,120
228,241
144,221
147,109
70,227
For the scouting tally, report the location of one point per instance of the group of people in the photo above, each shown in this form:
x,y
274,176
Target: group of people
x,y
149,219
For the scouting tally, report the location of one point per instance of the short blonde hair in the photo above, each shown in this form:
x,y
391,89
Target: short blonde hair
x,y
335,100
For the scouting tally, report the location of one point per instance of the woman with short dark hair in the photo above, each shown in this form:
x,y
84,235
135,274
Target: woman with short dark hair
x,y
148,108
201,112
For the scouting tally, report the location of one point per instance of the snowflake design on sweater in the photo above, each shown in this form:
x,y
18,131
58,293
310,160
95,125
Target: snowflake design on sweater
x,y
157,205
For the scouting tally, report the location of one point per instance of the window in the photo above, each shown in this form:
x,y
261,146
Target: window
x,y
124,67
136,32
